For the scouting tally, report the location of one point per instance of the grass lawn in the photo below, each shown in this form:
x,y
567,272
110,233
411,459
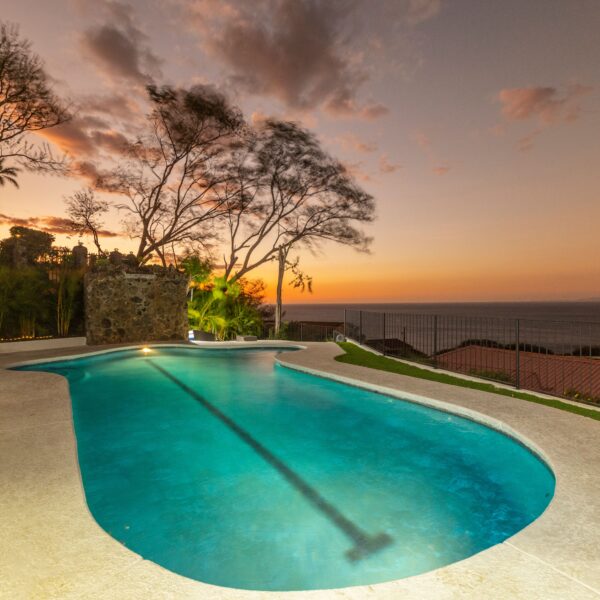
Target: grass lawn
x,y
357,356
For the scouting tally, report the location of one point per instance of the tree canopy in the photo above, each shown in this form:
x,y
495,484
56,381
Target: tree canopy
x,y
27,104
25,246
169,177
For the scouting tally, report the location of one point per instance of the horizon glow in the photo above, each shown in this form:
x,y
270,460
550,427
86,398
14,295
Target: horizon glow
x,y
474,125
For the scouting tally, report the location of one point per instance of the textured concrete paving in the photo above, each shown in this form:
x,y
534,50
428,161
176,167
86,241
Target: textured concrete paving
x,y
51,547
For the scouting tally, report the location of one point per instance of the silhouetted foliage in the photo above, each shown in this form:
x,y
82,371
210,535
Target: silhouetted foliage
x,y
25,246
41,286
27,104
169,177
85,212
8,175
284,191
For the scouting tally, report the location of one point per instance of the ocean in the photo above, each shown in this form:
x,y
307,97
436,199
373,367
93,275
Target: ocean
x,y
546,311
562,327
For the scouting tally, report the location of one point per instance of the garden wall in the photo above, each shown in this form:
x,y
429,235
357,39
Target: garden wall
x,y
135,307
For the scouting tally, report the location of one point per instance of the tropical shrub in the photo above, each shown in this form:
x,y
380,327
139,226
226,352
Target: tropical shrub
x,y
30,302
226,309
41,293
69,290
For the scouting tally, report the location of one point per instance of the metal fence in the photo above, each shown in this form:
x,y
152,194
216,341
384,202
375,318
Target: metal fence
x,y
561,358
310,332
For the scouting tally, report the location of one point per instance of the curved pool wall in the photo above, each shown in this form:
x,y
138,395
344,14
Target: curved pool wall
x,y
223,467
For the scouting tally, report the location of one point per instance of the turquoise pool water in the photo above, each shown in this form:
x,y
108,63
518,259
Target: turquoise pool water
x,y
226,468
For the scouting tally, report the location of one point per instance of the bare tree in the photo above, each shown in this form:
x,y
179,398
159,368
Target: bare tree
x,y
85,212
170,177
27,104
291,194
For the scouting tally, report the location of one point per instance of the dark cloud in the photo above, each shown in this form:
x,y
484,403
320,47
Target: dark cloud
x,y
114,105
119,48
112,141
87,170
85,137
297,51
54,225
71,137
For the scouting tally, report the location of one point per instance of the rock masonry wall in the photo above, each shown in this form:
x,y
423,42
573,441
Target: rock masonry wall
x,y
135,307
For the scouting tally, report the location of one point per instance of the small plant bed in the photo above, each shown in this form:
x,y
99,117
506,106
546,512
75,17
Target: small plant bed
x,y
354,355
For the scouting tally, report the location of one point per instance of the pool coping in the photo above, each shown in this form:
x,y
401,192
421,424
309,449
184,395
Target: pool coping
x,y
540,561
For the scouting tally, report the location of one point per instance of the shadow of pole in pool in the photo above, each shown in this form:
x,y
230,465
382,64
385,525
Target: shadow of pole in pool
x,y
364,544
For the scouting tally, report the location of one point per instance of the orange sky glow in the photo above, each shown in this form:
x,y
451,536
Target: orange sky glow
x,y
480,144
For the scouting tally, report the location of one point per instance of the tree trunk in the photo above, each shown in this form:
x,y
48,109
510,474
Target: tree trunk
x,y
97,241
281,260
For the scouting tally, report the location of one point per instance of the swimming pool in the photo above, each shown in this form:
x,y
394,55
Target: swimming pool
x,y
226,468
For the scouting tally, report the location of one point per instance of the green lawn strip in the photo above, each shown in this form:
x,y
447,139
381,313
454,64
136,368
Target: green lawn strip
x,y
357,356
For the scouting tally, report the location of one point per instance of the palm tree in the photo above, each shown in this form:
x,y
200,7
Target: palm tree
x,y
8,175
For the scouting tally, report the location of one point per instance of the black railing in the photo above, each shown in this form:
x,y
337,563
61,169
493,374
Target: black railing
x,y
298,331
561,358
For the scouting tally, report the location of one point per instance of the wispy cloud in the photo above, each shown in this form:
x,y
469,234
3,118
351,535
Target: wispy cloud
x,y
418,11
353,142
548,106
441,170
357,170
386,166
424,142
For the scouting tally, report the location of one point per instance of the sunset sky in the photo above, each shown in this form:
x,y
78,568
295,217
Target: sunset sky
x,y
474,124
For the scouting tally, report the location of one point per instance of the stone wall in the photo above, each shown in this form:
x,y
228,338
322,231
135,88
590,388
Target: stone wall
x,y
135,307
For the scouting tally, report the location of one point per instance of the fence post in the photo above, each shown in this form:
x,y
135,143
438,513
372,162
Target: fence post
x,y
383,315
435,341
301,332
517,354
360,326
344,322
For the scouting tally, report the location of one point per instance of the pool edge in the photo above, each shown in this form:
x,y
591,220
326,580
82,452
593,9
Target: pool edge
x,y
455,579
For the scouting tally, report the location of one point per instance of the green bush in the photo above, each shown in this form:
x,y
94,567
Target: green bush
x,y
39,300
226,309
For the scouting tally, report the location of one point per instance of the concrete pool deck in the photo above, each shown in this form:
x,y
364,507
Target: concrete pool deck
x,y
51,547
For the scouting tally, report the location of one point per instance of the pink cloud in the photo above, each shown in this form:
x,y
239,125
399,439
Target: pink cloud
x,y
351,141
437,165
526,142
441,170
385,166
422,140
356,169
548,104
